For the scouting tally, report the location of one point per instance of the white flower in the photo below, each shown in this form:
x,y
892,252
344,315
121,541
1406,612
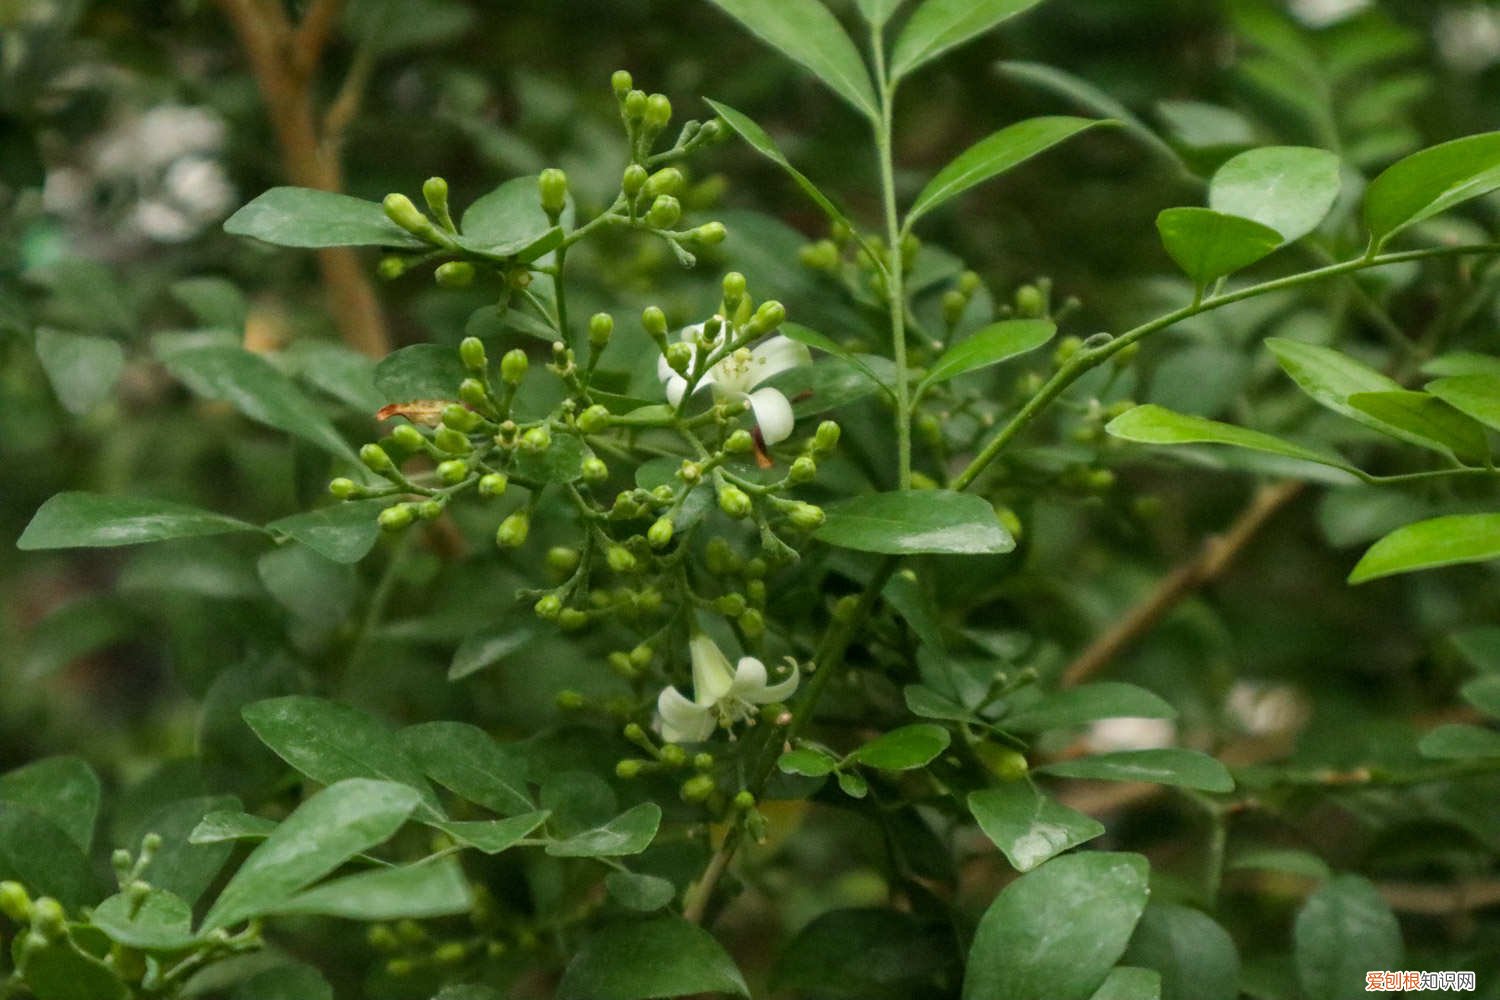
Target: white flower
x,y
721,697
737,375
1113,735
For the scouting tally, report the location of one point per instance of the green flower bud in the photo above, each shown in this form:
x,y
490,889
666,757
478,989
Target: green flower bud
x,y
739,443
667,180
375,459
629,768
1009,521
513,530
679,357
471,353
450,953
953,306
547,607
537,439
601,327
641,656
619,662
734,291
392,267
48,918
655,323
454,274
401,968
840,232
633,180
803,470
493,484
689,471
455,470
664,212
743,800
15,903
382,938
430,510
513,366
622,82
969,283
411,932
673,755
658,111
620,560
806,516
1030,302
827,437
734,502
400,210
571,619
922,481
710,234
768,317
660,533
720,557
730,605
846,609
451,441
563,559
819,256
408,438
435,193
662,495
593,420
703,761
1099,480
697,788
635,105
460,418
396,517
471,392
756,591
552,189
1125,355
1003,762
594,470
1066,348
752,624
343,489
755,568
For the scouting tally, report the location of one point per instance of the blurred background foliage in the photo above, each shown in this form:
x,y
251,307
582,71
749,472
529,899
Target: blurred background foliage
x,y
130,130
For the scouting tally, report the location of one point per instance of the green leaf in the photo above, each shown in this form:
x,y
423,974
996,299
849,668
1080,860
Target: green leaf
x,y
642,893
828,385
1081,705
61,970
1462,363
1344,930
1476,395
1152,424
877,12
939,25
303,217
1195,956
640,960
344,532
161,921
1484,694
1430,182
311,587
181,867
763,144
485,649
807,33
284,982
434,888
37,853
330,742
1054,933
333,369
631,832
1281,859
1126,983
494,835
1167,766
83,370
995,343
1441,541
1028,826
215,303
992,156
807,761
1291,189
421,371
865,954
342,820
904,749
1457,741
64,790
384,26
257,389
465,760
90,520
817,341
853,785
508,222
1209,245
912,521
223,825
929,704
1424,416
1087,96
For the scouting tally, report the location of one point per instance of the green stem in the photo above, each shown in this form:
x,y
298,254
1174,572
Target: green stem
x,y
1089,358
894,278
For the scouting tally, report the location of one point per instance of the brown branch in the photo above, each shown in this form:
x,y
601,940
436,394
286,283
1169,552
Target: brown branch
x,y
1210,562
278,53
1441,900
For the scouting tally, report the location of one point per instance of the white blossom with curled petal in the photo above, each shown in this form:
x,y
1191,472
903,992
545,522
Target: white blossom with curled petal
x,y
737,375
721,696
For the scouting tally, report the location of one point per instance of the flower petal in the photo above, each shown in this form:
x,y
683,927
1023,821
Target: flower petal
x,y
681,720
749,678
773,413
712,678
778,692
676,386
775,355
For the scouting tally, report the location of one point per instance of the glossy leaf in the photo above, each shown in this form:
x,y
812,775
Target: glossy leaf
x,y
1055,932
465,760
631,832
64,790
1028,826
1085,95
913,521
216,303
284,982
160,922
483,650
258,390
904,749
1088,703
1476,395
1291,189
1424,416
990,346
89,520
1166,766
223,825
763,144
1344,930
1152,424
642,893
510,222
939,25
320,835
1440,541
420,891
1194,955
37,853
421,371
853,784
817,341
1279,859
877,12
1430,182
1458,741
83,369
494,835
61,970
641,960
993,156
1127,983
329,742
865,954
302,217
1210,245
806,32
806,761
343,532
1484,694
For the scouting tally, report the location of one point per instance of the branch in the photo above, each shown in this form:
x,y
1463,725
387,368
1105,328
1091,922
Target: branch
x,y
313,33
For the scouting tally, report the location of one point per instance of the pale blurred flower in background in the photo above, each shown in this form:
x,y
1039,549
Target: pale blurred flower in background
x,y
1468,37
1111,735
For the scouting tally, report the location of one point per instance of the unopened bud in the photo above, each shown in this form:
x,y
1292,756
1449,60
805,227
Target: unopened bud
x,y
710,234
455,470
563,559
752,622
655,322
679,357
629,768
15,903
633,180
768,317
513,531
635,105
537,439
593,420
430,510
571,619
953,306
806,516
452,442
697,788
48,918
658,111
594,470
344,489
739,443
375,459
620,560
471,353
454,274
664,212
493,484
1030,302
734,502
460,418
408,438
730,605
803,470
827,437
513,366
400,210
552,189
660,533
397,517
601,326
734,290
667,180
